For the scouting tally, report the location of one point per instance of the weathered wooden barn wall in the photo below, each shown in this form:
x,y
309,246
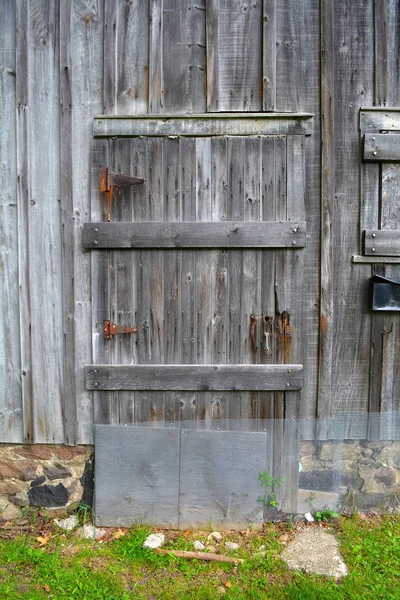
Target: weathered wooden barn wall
x,y
64,62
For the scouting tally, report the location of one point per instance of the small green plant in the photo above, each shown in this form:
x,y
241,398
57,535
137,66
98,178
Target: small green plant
x,y
267,480
84,514
326,515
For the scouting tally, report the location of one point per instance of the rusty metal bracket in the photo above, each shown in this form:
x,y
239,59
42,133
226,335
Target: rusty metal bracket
x,y
110,181
111,329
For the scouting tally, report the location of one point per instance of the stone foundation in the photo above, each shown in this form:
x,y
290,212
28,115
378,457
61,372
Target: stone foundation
x,y
44,476
361,475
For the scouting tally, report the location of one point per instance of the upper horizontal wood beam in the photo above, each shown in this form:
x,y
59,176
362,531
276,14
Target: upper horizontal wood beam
x,y
194,377
379,119
380,147
378,242
205,125
224,234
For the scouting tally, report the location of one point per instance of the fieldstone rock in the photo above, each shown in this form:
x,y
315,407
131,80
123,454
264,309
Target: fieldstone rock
x,y
68,524
154,540
232,545
210,548
215,535
69,452
38,481
17,469
38,451
307,448
386,476
315,551
20,499
56,472
87,482
48,495
11,487
317,480
90,532
198,545
8,511
75,491
390,456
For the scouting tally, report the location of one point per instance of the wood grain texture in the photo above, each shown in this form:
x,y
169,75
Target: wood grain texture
x,y
40,239
11,414
194,377
203,125
234,48
269,55
228,234
374,119
327,207
351,353
382,242
379,147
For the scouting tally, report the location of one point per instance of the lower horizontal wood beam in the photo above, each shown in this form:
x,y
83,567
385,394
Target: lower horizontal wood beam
x,y
224,234
195,377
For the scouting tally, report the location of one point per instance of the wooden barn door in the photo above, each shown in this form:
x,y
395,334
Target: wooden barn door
x,y
200,252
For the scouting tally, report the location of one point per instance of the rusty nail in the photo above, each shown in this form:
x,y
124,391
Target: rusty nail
x,y
96,229
95,242
294,242
294,229
288,384
375,153
374,235
96,383
373,249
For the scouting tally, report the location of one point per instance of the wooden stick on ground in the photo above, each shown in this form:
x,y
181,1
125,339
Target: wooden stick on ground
x,y
201,556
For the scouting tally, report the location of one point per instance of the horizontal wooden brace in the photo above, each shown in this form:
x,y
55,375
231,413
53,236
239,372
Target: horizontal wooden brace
x,y
203,125
378,242
194,377
195,234
373,260
381,147
377,119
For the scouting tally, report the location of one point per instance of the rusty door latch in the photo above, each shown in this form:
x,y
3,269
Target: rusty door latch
x,y
110,181
111,329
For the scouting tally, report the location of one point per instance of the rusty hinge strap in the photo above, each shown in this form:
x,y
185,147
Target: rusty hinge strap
x,y
108,181
111,329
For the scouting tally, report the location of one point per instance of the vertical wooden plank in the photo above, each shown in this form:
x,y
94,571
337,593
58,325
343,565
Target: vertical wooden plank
x,y
43,327
298,89
126,69
23,201
266,331
203,281
381,27
351,354
269,55
11,418
234,50
100,262
172,272
251,265
149,407
81,34
235,212
184,67
327,206
187,151
219,281
156,91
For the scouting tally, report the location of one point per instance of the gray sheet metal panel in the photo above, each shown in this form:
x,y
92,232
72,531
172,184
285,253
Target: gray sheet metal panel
x,y
219,477
136,475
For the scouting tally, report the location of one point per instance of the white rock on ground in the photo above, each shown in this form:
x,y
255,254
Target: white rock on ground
x,y
315,551
232,545
67,524
154,540
215,535
198,545
90,532
308,517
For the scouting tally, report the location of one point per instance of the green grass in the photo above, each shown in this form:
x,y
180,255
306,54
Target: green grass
x,y
69,568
